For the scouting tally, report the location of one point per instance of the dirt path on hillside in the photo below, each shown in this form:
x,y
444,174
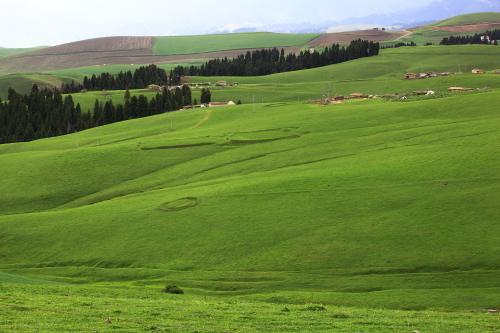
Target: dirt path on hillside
x,y
207,115
407,33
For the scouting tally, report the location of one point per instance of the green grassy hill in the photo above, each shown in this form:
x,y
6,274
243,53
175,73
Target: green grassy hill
x,y
462,25
371,203
212,43
5,52
330,215
466,19
23,82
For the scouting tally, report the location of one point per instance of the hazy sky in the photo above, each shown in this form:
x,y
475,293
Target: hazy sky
x,y
27,23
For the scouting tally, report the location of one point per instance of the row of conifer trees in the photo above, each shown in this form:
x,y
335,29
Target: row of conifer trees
x,y
141,78
271,61
46,113
494,36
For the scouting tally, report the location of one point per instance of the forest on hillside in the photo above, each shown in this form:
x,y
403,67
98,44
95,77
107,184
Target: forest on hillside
x,y
493,37
142,77
272,61
46,113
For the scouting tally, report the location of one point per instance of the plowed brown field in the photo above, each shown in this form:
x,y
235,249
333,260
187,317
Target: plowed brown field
x,y
106,44
346,37
51,62
468,27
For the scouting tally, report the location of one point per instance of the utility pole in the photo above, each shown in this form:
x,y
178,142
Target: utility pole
x,y
253,103
76,134
170,121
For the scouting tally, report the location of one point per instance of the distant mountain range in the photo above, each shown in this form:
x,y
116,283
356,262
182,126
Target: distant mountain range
x,y
434,11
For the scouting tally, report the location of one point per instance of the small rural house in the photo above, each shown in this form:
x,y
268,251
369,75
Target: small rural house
x,y
221,83
478,71
213,104
154,87
410,76
496,72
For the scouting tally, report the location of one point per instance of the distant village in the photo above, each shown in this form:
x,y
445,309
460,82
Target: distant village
x,y
335,99
154,87
408,76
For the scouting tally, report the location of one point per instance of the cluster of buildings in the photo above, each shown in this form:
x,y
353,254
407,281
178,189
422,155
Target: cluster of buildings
x,y
434,74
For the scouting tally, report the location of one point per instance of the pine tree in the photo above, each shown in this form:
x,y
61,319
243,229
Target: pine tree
x,y
186,95
98,113
108,113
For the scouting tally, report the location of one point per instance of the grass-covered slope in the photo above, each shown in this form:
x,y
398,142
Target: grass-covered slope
x,y
211,43
379,203
5,52
467,19
23,82
462,25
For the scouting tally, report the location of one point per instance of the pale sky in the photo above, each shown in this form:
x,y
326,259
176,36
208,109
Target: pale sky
x,y
28,23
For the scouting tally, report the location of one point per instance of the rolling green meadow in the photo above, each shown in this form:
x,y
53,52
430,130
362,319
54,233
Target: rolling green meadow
x,y
276,215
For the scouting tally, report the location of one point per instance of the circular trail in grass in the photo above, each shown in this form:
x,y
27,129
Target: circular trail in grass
x,y
179,204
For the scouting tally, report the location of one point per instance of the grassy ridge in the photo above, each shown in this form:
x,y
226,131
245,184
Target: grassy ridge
x,y
343,190
5,52
467,19
23,82
210,43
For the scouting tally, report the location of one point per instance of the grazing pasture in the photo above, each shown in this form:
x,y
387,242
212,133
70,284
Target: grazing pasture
x,y
370,203
113,309
277,215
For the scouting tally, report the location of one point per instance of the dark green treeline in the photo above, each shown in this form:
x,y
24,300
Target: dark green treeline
x,y
494,36
141,78
272,61
46,113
